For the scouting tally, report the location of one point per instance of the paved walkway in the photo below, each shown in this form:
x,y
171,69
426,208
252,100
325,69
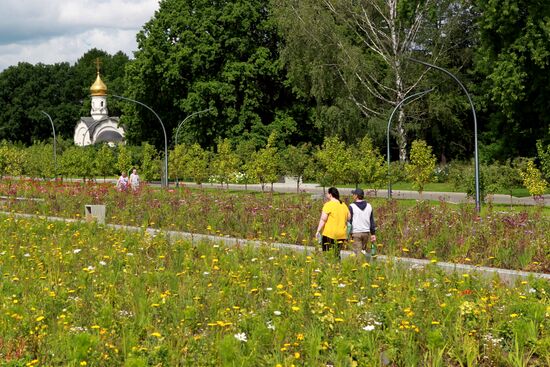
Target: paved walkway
x,y
315,189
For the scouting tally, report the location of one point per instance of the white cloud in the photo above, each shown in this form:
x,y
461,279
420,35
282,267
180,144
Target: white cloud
x,y
60,30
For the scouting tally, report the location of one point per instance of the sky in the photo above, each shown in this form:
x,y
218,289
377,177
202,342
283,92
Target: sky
x,y
52,31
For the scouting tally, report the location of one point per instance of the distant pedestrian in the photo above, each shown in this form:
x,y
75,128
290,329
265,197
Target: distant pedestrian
x,y
134,180
122,183
333,222
363,227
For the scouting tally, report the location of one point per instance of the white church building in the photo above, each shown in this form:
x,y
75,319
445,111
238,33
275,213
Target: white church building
x,y
100,127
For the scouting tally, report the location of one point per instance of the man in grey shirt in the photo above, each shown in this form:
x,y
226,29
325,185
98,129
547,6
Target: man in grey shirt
x,y
363,227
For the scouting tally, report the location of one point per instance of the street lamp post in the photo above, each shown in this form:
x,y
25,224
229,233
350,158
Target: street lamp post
x,y
54,145
412,98
178,130
165,180
476,158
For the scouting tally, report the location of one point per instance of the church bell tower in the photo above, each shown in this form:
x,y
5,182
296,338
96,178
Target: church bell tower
x,y
98,91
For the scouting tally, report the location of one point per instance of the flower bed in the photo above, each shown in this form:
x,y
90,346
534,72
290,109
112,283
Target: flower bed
x,y
436,231
79,294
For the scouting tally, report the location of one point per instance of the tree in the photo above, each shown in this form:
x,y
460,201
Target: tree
x,y
177,160
504,177
225,162
196,166
150,164
422,165
533,180
358,49
123,160
39,160
245,150
513,56
12,160
370,163
335,161
265,163
27,89
221,55
544,157
60,89
78,162
105,161
297,160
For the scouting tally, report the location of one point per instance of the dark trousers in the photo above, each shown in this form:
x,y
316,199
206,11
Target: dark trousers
x,y
329,244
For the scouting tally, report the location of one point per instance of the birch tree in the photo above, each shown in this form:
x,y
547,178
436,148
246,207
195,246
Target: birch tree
x,y
364,44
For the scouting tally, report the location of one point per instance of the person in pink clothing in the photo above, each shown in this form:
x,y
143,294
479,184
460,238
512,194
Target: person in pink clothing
x,y
122,183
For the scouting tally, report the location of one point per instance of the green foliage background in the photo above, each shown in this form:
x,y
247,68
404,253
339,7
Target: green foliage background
x,y
305,71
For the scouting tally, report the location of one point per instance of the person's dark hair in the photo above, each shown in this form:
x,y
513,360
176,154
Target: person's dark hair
x,y
335,194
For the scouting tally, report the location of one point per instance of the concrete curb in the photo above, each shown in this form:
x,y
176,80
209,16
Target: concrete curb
x,y
507,276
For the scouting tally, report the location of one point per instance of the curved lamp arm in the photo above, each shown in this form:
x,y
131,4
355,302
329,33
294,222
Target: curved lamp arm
x,y
54,140
165,181
411,98
476,157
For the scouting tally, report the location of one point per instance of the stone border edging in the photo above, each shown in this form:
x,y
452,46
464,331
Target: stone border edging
x,y
506,275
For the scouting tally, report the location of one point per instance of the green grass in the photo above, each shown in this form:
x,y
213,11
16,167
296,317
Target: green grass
x,y
438,187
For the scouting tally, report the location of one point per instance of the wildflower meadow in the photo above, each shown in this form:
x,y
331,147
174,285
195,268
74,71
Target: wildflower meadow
x,y
498,237
81,294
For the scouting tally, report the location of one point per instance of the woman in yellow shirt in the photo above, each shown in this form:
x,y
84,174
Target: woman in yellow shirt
x,y
333,222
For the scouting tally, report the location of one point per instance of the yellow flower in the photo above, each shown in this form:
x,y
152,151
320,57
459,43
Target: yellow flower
x,y
83,363
40,318
295,308
297,355
156,334
435,322
514,315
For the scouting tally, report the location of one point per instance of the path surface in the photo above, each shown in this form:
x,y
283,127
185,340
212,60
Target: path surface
x,y
312,188
452,197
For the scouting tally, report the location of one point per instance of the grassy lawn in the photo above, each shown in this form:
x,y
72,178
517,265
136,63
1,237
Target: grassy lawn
x,y
439,187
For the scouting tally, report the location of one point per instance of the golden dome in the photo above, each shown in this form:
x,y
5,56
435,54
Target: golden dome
x,y
98,88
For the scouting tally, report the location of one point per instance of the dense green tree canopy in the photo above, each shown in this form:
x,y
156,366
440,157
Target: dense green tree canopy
x,y
62,90
310,69
513,59
222,55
